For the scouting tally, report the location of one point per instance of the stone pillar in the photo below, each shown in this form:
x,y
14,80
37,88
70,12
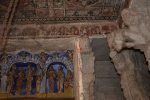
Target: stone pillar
x,y
86,68
77,72
125,67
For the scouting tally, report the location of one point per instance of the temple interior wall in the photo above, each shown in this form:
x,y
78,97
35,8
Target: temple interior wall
x,y
106,80
83,88
117,72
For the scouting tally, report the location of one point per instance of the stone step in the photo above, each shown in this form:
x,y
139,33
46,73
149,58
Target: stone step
x,y
106,96
100,49
105,69
107,82
109,90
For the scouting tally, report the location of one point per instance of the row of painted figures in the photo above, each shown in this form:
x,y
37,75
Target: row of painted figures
x,y
29,82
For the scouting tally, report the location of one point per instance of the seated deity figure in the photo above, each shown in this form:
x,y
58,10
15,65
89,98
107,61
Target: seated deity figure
x,y
29,80
51,76
10,82
20,82
60,77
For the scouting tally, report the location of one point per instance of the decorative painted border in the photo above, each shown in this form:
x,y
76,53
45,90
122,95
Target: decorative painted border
x,y
43,59
71,11
61,30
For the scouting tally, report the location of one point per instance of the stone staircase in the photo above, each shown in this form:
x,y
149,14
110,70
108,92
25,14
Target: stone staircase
x,y
107,81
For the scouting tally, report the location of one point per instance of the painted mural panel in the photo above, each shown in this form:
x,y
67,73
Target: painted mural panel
x,y
40,75
3,8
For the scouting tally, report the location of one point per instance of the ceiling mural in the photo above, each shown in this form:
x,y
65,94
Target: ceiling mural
x,y
53,11
3,8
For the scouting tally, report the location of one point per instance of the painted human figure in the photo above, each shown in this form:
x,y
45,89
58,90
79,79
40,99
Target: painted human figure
x,y
29,80
68,80
10,81
38,83
4,83
60,77
51,76
43,58
20,82
68,84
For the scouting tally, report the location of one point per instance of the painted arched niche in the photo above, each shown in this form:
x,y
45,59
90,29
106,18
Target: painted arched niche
x,y
33,74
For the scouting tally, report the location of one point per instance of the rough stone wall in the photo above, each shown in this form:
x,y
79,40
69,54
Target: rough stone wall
x,y
141,71
132,67
134,34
